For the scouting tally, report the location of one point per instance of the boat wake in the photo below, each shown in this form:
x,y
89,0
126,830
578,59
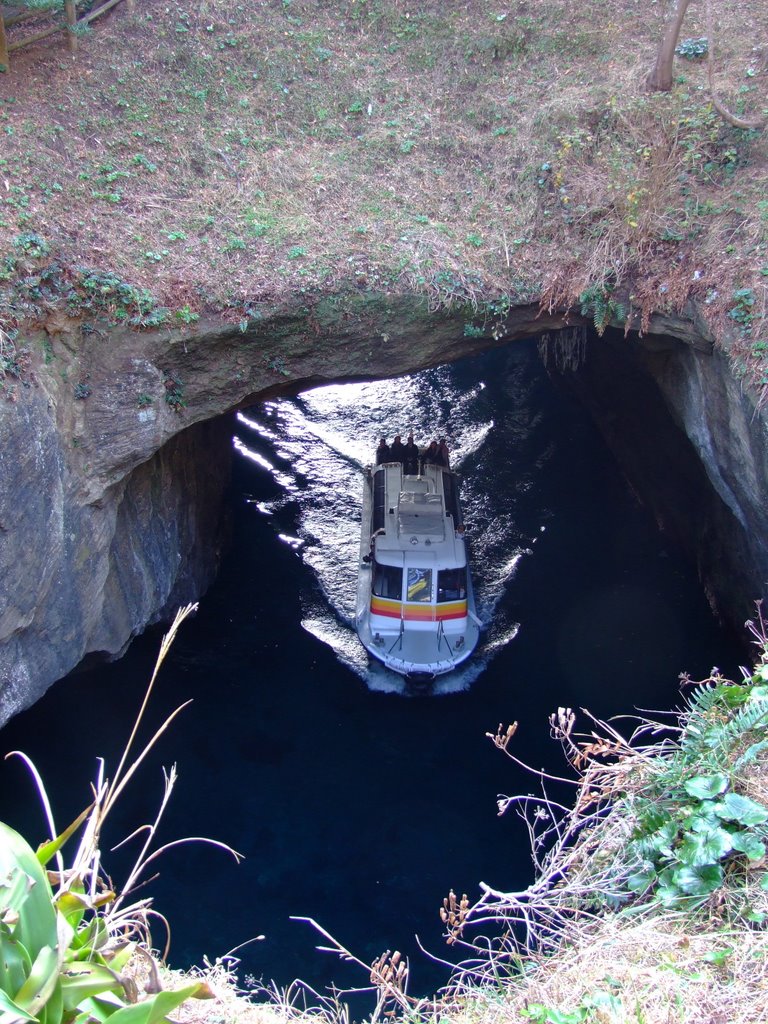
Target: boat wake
x,y
313,450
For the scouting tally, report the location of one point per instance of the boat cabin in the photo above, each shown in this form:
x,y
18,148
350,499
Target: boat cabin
x,y
418,553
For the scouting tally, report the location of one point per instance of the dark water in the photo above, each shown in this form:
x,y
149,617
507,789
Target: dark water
x,y
354,804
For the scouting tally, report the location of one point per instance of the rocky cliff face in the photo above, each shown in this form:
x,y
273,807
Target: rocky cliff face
x,y
694,449
116,458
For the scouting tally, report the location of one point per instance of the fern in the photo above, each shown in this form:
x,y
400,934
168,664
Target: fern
x,y
750,754
747,718
597,301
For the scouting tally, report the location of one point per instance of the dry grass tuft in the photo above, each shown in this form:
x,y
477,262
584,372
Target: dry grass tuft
x,y
654,971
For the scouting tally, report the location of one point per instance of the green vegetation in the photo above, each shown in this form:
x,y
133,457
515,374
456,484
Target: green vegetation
x,y
58,961
174,392
598,303
692,48
67,940
694,822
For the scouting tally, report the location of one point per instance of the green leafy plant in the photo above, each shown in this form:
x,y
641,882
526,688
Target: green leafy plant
x,y
187,315
152,318
142,161
32,244
65,936
695,824
109,294
692,49
234,244
58,962
174,392
598,302
742,311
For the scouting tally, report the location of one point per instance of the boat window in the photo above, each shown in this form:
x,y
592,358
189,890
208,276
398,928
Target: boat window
x,y
387,581
379,498
420,585
451,492
452,584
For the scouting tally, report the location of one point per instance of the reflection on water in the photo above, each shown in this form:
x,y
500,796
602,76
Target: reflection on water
x,y
315,449
352,805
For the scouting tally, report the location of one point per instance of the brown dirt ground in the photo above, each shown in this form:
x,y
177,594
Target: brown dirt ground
x,y
224,153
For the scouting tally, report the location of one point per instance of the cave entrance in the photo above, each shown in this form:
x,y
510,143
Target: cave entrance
x,y
354,805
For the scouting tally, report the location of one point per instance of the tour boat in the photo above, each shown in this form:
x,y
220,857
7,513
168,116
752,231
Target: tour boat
x,y
415,605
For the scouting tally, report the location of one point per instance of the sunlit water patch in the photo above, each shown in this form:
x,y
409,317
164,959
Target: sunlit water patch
x,y
327,437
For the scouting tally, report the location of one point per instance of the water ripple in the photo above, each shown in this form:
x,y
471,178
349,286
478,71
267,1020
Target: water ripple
x,y
315,447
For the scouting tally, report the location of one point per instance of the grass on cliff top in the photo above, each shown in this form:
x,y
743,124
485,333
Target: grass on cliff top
x,y
223,154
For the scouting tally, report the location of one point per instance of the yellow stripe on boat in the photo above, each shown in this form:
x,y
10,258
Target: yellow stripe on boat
x,y
418,612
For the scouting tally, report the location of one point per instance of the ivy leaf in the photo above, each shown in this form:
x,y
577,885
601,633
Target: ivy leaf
x,y
718,956
708,847
643,878
741,809
705,787
702,818
756,916
748,844
700,880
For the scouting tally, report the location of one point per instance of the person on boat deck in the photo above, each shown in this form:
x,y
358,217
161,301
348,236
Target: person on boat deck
x,y
382,452
397,450
431,454
442,450
411,457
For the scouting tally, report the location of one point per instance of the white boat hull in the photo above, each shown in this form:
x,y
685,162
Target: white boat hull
x,y
421,630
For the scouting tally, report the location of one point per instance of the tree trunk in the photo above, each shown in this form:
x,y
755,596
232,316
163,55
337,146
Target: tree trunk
x,y
3,44
70,13
717,103
660,77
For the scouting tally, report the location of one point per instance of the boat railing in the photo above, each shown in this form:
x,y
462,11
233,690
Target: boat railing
x,y
442,636
399,638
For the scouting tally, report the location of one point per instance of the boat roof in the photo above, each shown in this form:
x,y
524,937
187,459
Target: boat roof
x,y
417,526
420,514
